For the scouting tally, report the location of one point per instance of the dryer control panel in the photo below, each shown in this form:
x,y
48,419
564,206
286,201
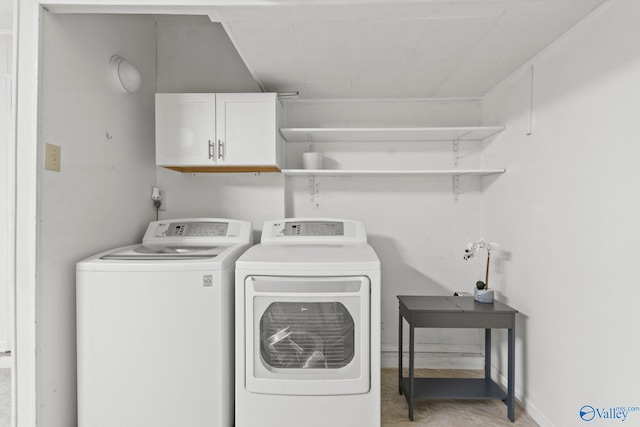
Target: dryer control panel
x,y
314,231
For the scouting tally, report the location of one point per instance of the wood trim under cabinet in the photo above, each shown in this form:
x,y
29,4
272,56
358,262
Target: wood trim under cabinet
x,y
223,169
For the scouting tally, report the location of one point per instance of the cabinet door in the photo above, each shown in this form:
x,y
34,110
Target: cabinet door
x,y
246,128
185,129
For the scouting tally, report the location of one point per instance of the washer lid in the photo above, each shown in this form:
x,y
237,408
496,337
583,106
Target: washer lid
x,y
166,253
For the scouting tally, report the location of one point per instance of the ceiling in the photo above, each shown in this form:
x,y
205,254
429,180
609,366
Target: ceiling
x,y
394,49
367,49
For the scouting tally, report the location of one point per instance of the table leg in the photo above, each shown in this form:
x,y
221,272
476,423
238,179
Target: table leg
x,y
511,375
400,325
411,373
487,353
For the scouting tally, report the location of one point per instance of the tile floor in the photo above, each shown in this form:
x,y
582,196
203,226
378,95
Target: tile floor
x,y
432,413
444,413
5,397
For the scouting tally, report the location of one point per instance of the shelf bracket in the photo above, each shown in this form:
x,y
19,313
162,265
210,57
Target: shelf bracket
x,y
313,191
456,178
456,187
530,112
456,152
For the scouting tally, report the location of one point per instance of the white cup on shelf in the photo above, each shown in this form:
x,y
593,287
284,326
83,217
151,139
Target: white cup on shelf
x,y
312,160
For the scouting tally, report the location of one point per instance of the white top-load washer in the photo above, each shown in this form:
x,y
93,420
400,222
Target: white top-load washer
x,y
155,327
308,326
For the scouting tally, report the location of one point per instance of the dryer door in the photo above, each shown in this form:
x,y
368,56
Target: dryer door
x,y
307,335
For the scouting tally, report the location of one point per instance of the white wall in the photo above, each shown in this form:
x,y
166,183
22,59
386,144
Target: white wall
x,y
6,191
414,224
566,215
195,55
101,197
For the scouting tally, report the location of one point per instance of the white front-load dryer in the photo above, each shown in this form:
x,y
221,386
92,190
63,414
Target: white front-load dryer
x,y
155,327
308,327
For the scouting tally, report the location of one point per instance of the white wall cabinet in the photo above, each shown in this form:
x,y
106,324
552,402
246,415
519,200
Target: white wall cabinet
x,y
218,132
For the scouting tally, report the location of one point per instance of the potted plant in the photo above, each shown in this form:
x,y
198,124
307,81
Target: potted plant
x,y
482,293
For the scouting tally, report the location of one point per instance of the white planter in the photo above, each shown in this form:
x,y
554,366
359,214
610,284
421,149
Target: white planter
x,y
483,295
312,160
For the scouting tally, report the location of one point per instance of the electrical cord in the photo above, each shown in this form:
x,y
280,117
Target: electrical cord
x,y
157,203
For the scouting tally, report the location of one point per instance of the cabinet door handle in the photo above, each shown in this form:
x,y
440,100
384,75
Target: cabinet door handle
x,y
221,152
210,149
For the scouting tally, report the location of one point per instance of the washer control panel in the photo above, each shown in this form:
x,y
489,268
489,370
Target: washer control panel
x,y
192,228
197,232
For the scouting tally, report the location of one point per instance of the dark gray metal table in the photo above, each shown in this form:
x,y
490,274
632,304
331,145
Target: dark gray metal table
x,y
456,312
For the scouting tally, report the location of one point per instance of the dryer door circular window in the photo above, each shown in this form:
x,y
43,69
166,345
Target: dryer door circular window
x,y
307,335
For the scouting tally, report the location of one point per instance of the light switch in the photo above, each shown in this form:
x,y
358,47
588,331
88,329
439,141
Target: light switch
x,y
52,158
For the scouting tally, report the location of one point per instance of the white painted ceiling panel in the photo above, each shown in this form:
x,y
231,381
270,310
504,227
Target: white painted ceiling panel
x,y
506,46
366,89
327,89
453,35
394,49
338,68
278,70
389,39
266,40
379,69
326,39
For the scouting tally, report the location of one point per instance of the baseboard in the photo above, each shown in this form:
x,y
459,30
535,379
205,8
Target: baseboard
x,y
6,360
536,415
529,407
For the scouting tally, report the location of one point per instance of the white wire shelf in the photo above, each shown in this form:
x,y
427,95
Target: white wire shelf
x,y
352,172
466,133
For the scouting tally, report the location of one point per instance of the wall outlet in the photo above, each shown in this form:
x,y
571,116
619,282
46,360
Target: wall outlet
x,y
163,206
52,158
